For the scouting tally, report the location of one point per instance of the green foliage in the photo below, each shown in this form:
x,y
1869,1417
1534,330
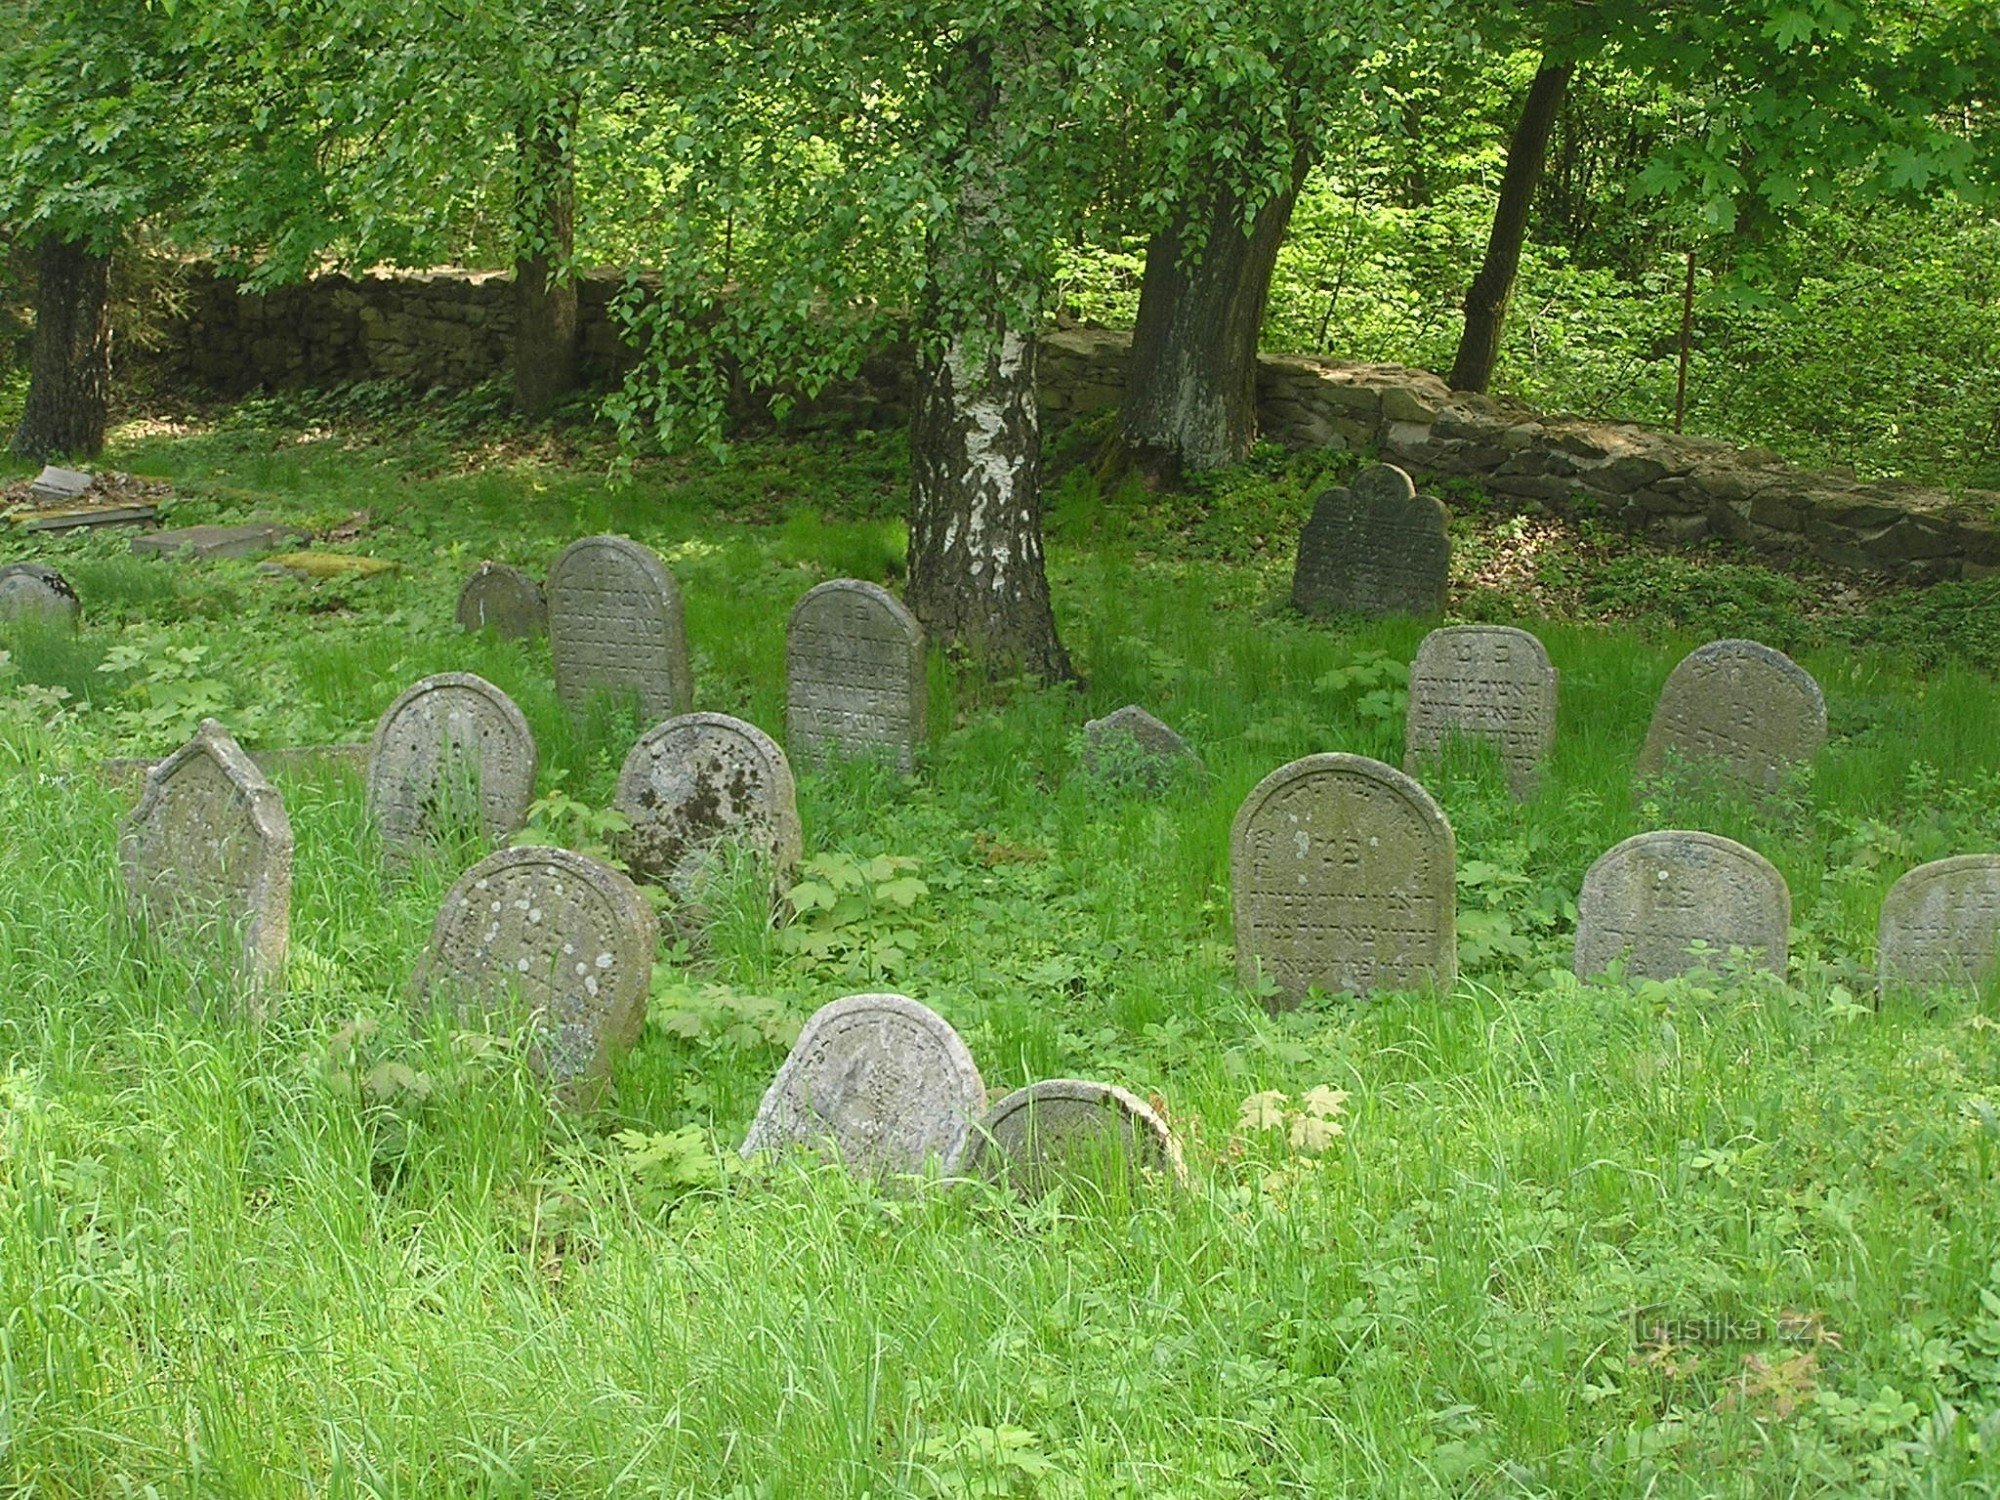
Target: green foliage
x,y
857,919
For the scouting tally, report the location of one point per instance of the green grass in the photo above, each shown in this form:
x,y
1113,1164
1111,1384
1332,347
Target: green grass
x,y
341,1255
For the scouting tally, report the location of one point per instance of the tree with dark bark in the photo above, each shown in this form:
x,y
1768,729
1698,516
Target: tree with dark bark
x,y
69,372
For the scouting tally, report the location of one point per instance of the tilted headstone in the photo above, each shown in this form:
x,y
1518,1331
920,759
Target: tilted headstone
x,y
553,935
452,752
1750,712
1065,1128
615,627
881,1080
1483,682
207,855
1650,899
1129,742
1376,547
35,591
1342,875
504,600
696,782
1940,926
55,485
855,678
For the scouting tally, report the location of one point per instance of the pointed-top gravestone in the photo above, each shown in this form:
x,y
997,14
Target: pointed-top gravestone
x,y
504,600
1067,1129
35,591
1940,926
1741,708
1130,744
1483,682
615,627
882,1082
452,752
207,855
1342,879
1376,547
855,678
1651,899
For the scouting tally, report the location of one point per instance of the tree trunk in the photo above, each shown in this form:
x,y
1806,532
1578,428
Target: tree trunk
x,y
69,373
1191,394
545,335
1486,302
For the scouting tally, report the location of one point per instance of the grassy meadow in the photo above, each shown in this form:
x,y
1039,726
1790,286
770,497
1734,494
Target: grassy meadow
x,y
1428,1241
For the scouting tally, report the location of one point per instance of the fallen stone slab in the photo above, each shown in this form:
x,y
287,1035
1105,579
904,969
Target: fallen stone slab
x,y
208,542
77,517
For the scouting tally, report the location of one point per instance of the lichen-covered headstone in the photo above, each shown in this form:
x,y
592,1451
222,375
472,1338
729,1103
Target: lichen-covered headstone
x,y
35,591
504,600
452,752
1741,708
1650,899
1342,879
553,935
1066,1129
1376,547
1940,926
696,783
1483,682
854,674
615,627
882,1081
207,855
1129,743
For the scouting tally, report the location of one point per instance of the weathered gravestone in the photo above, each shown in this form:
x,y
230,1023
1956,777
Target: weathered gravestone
x,y
452,752
551,935
1483,682
207,855
697,782
1129,743
615,627
1342,879
881,1081
504,600
208,542
1940,926
1376,547
1066,1129
855,677
1650,899
1747,711
35,591
54,486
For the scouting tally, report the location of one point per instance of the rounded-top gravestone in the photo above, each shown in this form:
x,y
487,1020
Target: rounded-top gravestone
x,y
1483,682
1068,1129
552,935
1129,744
35,591
505,600
1940,926
1651,899
1376,547
1342,879
881,1081
451,752
855,676
1747,711
615,627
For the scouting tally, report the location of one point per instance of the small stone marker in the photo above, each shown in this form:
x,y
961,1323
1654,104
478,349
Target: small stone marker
x,y
1129,742
1940,925
37,591
207,854
504,600
882,1080
615,626
1749,711
695,782
552,934
452,750
207,542
1650,898
1376,547
1342,877
54,485
855,679
1065,1129
1486,682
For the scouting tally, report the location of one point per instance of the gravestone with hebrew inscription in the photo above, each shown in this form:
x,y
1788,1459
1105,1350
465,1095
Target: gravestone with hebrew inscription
x,y
504,600
1650,900
1739,709
1376,547
1129,744
452,753
615,627
1940,926
882,1083
207,856
1067,1129
35,591
855,677
1342,874
1490,683
551,937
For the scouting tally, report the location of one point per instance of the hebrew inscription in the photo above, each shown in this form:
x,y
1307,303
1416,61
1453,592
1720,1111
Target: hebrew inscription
x,y
453,751
1376,547
1483,682
1650,899
615,626
854,674
1749,712
1940,926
